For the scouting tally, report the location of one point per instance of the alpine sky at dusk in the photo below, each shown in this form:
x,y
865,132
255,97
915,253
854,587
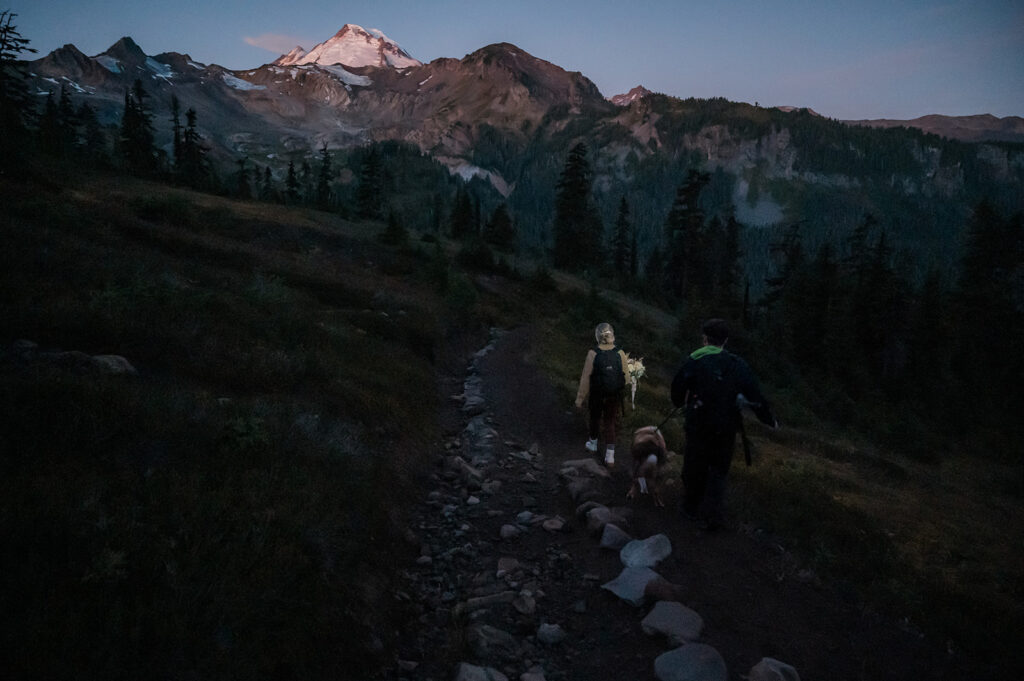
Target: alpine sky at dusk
x,y
865,60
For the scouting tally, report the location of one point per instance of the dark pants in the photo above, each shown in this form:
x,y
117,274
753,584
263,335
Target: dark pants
x,y
706,461
604,417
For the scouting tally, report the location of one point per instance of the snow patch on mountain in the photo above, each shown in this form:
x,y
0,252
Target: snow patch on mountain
x,y
239,84
347,77
160,69
109,63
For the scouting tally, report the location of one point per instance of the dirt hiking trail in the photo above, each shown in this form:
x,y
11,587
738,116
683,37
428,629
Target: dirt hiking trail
x,y
509,577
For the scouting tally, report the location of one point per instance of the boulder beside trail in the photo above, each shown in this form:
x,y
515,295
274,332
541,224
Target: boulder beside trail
x,y
770,669
631,584
646,552
691,662
675,621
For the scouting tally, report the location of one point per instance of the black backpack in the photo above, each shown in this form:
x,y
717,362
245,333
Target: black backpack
x,y
714,410
607,379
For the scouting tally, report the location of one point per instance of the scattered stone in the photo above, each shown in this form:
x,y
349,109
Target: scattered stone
x,y
600,516
481,602
470,672
489,642
584,466
524,517
424,560
631,584
691,662
646,552
525,603
510,532
581,490
536,674
677,622
408,665
459,464
584,508
472,501
770,669
580,606
556,524
613,538
550,634
491,487
506,564
114,365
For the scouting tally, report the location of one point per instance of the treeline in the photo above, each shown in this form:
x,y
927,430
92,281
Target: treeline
x,y
848,325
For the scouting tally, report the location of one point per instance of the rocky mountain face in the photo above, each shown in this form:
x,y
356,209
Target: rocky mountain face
x,y
509,117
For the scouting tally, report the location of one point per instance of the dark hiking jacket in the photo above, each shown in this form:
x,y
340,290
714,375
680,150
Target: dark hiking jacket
x,y
708,384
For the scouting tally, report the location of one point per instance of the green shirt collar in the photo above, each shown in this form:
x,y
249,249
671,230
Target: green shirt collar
x,y
705,351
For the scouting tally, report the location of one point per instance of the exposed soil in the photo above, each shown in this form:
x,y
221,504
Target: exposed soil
x,y
745,586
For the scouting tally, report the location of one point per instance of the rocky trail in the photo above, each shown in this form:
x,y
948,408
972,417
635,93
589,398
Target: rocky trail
x,y
534,566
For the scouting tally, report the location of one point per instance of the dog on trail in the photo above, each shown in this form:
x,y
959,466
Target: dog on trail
x,y
649,453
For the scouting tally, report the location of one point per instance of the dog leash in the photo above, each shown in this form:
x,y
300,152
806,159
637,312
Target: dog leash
x,y
670,415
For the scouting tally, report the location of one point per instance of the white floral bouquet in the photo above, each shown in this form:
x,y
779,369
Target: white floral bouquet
x,y
636,369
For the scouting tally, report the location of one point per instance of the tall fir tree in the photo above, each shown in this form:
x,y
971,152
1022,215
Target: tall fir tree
x,y
243,183
136,146
500,231
370,191
16,104
291,183
323,180
176,132
686,263
622,240
193,168
578,233
461,218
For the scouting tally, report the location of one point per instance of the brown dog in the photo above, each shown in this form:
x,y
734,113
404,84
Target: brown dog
x,y
649,455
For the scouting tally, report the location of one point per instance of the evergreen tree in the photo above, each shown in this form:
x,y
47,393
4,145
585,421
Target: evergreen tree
x,y
16,105
323,181
291,184
243,185
176,132
686,262
193,167
622,240
267,185
49,127
578,233
94,140
990,307
306,181
461,219
499,231
370,192
137,150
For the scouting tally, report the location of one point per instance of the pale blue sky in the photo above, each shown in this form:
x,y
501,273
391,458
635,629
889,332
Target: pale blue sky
x,y
847,60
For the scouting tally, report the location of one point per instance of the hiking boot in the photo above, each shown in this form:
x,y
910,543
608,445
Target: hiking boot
x,y
592,445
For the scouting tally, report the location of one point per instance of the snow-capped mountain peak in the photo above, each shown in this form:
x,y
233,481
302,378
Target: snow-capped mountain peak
x,y
353,46
297,53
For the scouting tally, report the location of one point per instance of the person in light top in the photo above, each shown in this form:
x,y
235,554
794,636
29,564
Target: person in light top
x,y
602,385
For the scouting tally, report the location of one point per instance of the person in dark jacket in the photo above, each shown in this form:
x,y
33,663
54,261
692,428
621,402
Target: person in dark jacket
x,y
711,386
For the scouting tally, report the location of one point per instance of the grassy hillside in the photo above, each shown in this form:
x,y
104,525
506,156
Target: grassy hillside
x,y
225,511
234,508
